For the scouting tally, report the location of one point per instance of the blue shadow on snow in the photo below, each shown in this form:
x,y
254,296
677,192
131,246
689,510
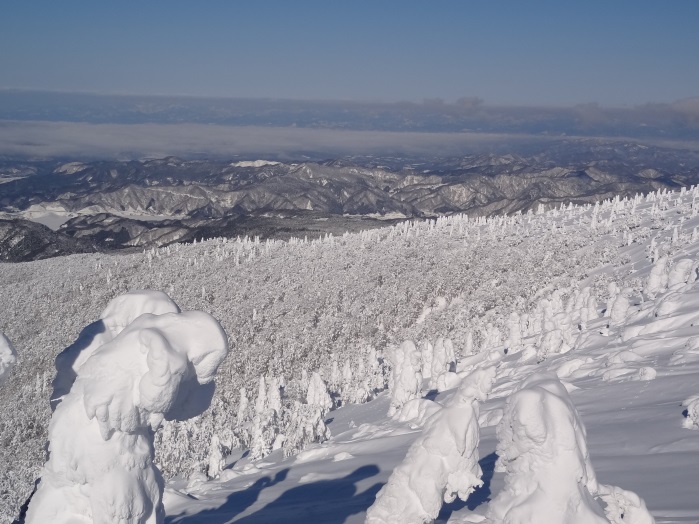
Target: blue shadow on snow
x,y
478,497
324,501
236,503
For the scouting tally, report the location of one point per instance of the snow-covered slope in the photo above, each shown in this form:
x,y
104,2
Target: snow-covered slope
x,y
602,296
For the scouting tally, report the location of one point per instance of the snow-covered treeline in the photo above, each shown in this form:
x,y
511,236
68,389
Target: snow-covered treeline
x,y
317,324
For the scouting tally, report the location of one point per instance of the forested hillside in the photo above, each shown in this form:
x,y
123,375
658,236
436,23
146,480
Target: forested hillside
x,y
306,319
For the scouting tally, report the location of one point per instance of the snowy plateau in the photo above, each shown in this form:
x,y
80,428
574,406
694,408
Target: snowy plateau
x,y
540,367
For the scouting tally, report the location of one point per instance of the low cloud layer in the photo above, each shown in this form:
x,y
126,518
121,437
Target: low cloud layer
x,y
134,141
676,121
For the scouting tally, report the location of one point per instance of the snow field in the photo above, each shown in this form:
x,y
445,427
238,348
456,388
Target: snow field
x,y
582,292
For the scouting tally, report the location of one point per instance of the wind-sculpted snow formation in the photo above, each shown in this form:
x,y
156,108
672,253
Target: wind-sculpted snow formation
x,y
153,366
549,478
542,445
8,357
441,464
118,314
603,296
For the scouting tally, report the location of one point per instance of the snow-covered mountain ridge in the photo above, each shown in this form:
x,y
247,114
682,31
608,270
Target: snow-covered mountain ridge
x,y
153,203
603,296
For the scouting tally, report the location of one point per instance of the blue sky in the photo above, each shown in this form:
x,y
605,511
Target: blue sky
x,y
510,52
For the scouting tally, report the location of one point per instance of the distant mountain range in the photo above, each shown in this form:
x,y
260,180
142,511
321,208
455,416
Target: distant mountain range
x,y
114,204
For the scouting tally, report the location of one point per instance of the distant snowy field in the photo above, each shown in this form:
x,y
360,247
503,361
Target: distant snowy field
x,y
606,297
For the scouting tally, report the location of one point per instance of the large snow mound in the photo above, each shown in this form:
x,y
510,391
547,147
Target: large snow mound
x,y
100,466
543,445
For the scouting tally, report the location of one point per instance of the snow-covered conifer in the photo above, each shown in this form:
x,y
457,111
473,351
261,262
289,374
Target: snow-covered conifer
x,y
406,375
691,420
317,394
514,328
376,372
657,280
542,445
8,357
612,292
624,507
441,464
119,313
468,347
304,382
101,434
335,381
265,423
348,386
620,308
427,355
274,398
680,273
261,400
216,457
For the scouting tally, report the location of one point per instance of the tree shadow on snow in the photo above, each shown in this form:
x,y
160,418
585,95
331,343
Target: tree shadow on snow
x,y
236,503
65,375
431,395
326,501
478,497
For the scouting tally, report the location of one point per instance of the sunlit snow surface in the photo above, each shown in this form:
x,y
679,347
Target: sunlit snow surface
x,y
628,383
634,383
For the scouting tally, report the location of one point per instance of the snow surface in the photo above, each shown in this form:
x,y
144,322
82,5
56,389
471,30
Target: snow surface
x,y
626,376
632,377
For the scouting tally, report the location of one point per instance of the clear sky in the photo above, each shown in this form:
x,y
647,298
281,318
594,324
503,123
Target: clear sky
x,y
615,52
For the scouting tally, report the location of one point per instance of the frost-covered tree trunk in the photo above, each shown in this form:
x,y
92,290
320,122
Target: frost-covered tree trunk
x,y
264,422
216,459
242,429
620,308
427,356
443,360
441,464
307,424
657,280
101,435
514,340
542,445
406,375
8,357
